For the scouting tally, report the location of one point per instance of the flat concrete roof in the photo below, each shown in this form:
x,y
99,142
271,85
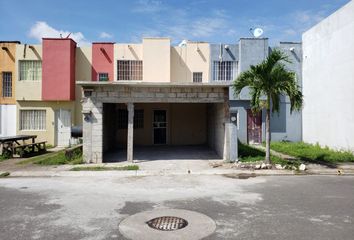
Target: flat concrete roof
x,y
153,84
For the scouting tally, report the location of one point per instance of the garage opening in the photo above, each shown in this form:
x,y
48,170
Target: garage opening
x,y
164,131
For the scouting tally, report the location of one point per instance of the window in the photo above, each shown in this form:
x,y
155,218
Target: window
x,y
224,71
139,118
197,77
7,84
123,118
32,119
129,70
30,70
102,77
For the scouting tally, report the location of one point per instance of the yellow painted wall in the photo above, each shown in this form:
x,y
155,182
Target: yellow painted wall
x,y
28,90
7,64
156,59
186,124
126,52
50,107
194,57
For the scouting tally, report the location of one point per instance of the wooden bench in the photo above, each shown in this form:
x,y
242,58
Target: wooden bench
x,y
27,148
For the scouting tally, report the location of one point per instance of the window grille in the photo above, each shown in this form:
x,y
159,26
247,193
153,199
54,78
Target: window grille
x,y
32,119
102,77
129,70
224,71
123,118
7,84
139,118
30,70
197,76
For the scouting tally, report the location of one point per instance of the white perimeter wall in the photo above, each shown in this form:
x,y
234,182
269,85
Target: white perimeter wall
x,y
328,81
7,120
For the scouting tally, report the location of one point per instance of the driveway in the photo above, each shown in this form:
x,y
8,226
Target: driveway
x,y
296,207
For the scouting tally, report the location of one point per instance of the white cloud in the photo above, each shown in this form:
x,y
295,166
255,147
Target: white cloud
x,y
42,30
147,6
105,35
183,26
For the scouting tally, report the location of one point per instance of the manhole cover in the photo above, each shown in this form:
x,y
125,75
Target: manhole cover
x,y
167,223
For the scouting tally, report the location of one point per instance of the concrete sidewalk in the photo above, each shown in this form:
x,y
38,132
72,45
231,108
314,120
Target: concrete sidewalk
x,y
171,168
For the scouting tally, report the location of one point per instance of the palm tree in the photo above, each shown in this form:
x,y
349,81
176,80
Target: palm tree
x,y
270,79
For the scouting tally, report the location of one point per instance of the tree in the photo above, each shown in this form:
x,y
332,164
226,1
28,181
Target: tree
x,y
270,79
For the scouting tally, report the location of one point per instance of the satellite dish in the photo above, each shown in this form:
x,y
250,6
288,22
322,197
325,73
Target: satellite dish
x,y
183,43
257,32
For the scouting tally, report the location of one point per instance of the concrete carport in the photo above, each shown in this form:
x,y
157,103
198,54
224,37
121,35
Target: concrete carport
x,y
167,117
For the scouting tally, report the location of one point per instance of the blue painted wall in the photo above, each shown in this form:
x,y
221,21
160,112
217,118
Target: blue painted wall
x,y
251,51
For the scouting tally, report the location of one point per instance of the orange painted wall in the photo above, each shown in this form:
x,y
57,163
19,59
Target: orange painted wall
x,y
7,64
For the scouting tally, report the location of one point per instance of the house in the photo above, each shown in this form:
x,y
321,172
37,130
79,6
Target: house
x,y
238,58
328,81
178,95
131,96
45,90
7,88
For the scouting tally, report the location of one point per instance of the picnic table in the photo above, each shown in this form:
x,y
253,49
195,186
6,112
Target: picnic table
x,y
17,144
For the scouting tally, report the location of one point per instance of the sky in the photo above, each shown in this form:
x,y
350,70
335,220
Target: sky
x,y
215,21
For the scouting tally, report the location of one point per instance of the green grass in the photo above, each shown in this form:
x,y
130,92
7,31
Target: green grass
x,y
5,174
56,158
250,154
312,153
5,156
101,168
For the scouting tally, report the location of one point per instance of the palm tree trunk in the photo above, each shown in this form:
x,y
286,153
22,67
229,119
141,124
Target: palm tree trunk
x,y
267,159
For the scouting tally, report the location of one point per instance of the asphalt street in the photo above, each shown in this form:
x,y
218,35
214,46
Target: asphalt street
x,y
272,207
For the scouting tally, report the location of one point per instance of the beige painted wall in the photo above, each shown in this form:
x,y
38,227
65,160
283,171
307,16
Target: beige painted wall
x,y
156,59
50,108
194,57
165,63
126,52
83,65
28,90
186,125
83,72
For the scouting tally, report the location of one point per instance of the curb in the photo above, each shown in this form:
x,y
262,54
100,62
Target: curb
x,y
143,173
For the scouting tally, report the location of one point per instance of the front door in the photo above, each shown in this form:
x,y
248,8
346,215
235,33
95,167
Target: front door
x,y
63,127
254,127
160,127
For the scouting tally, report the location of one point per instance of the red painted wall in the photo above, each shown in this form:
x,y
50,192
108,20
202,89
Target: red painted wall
x,y
58,69
102,60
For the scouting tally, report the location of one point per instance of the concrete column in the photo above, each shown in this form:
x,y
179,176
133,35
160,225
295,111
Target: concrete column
x,y
130,140
231,153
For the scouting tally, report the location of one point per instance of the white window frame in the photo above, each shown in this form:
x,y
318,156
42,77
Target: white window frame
x,y
35,119
34,70
224,70
129,70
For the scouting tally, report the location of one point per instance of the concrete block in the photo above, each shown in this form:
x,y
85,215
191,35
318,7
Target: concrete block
x,y
176,90
102,94
203,95
192,95
181,95
213,95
